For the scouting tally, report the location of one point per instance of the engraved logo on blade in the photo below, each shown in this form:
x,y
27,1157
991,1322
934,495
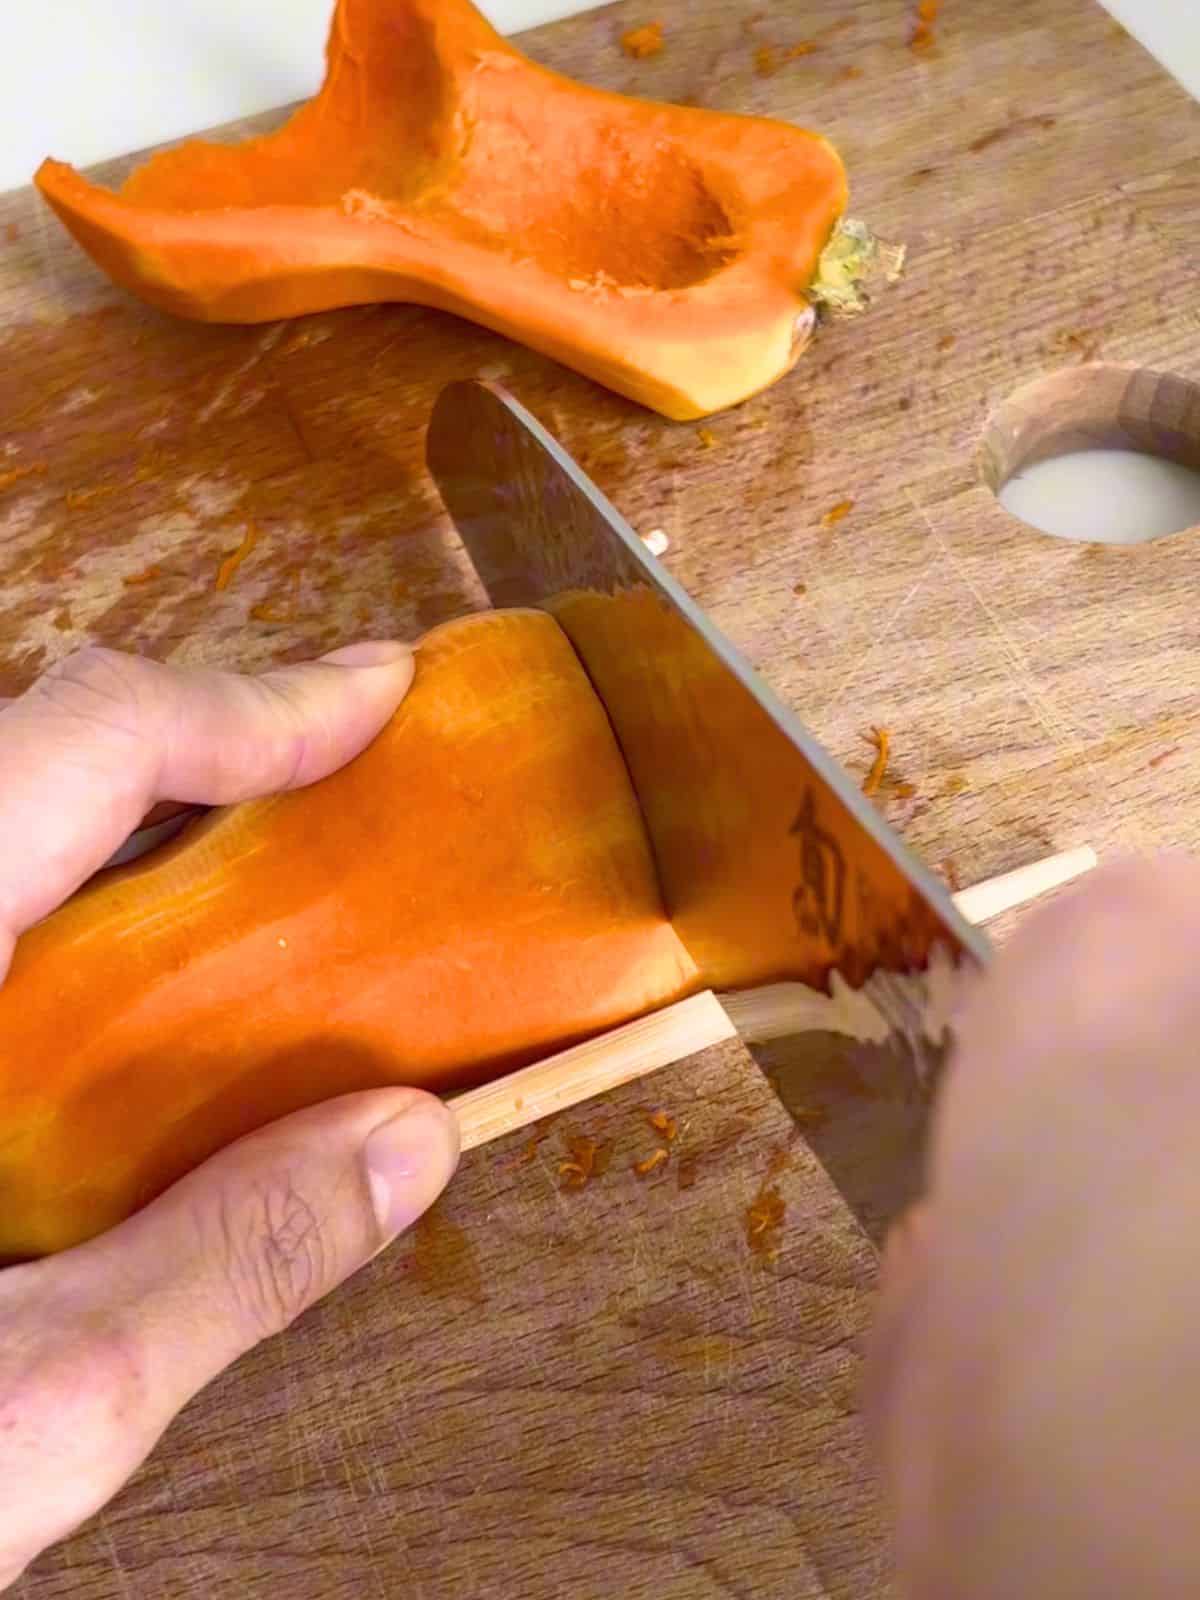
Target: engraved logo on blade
x,y
819,902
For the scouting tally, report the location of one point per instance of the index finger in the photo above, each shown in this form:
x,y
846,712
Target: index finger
x,y
94,744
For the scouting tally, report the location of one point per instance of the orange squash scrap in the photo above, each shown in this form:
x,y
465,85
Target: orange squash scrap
x,y
652,1162
588,1159
667,1129
882,740
641,43
672,253
227,571
662,1122
837,513
528,1152
768,59
271,612
473,893
923,32
147,575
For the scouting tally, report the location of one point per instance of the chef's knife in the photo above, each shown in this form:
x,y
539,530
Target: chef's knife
x,y
774,867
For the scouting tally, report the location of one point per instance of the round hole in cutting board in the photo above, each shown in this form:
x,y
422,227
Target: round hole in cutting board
x,y
1099,453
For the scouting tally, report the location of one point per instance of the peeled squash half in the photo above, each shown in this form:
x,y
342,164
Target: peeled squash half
x,y
473,892
673,254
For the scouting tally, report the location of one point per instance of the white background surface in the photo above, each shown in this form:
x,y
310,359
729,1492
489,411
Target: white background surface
x,y
86,79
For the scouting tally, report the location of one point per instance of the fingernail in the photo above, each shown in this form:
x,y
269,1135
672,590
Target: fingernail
x,y
371,653
409,1161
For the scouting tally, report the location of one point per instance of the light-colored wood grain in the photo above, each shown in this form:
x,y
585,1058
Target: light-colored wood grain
x,y
1013,890
594,1068
550,1394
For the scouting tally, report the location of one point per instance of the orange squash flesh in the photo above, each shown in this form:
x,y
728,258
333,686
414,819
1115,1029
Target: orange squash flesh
x,y
473,892
665,251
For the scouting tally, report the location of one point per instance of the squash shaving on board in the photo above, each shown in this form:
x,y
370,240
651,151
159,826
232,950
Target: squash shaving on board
x,y
837,513
923,34
134,580
662,1122
768,59
642,43
227,571
882,740
589,1159
652,1163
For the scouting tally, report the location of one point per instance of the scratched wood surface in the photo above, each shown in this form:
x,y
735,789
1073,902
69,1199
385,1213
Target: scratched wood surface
x,y
543,1393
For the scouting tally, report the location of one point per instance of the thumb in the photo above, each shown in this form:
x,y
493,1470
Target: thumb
x,y
237,1250
91,747
105,1343
244,1245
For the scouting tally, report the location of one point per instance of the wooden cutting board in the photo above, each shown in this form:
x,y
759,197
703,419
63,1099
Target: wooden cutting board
x,y
546,1394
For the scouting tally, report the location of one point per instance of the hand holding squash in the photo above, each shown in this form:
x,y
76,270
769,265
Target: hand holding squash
x,y
474,892
106,1342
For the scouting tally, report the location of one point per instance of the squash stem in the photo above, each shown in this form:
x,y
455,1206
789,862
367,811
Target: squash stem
x,y
853,261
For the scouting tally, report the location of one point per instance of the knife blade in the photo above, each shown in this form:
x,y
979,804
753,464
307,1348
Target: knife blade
x,y
775,869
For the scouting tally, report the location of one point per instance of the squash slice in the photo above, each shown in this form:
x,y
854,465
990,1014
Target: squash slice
x,y
667,252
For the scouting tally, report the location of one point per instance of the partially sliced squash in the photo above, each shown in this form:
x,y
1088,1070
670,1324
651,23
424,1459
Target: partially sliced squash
x,y
473,892
766,876
667,252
